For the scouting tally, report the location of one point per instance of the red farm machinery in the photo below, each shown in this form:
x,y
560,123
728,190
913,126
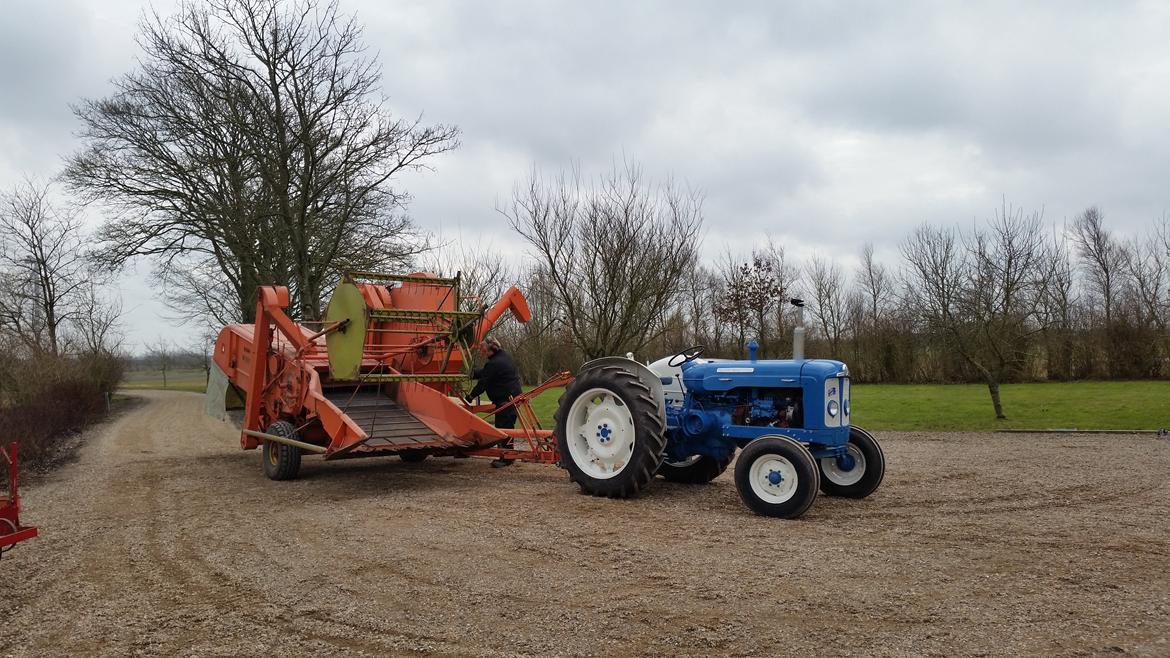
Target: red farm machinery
x,y
383,374
11,531
386,371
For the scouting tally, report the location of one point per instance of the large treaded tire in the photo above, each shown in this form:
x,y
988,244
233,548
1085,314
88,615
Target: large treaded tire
x,y
798,466
649,432
701,471
281,462
872,475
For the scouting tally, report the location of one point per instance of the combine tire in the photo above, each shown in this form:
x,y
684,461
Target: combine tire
x,y
699,469
412,456
777,476
867,467
610,432
281,462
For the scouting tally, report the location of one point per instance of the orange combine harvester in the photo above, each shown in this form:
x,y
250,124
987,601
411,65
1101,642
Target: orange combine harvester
x,y
383,374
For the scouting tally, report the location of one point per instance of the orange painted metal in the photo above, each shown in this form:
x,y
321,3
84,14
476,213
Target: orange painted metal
x,y
415,328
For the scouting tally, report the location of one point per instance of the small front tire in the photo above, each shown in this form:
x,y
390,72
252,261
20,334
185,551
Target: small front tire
x,y
281,461
867,467
777,476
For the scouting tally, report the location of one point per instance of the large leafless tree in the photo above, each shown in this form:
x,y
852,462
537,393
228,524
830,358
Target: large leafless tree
x,y
982,291
43,273
614,251
252,145
830,300
1102,257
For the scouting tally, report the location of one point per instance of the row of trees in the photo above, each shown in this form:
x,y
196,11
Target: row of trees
x,y
252,146
59,328
1008,299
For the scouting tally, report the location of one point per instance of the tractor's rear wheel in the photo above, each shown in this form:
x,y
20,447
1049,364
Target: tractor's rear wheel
x,y
698,469
859,473
777,476
281,461
610,432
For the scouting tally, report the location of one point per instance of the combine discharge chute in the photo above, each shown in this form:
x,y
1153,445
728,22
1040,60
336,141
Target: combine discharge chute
x,y
11,531
382,374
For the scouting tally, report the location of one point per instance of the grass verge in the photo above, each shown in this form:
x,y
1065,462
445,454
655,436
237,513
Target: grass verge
x,y
913,407
1129,405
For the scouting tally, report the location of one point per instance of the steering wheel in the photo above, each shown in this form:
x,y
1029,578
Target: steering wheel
x,y
689,354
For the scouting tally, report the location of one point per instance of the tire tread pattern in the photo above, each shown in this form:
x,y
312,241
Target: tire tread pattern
x,y
649,432
288,458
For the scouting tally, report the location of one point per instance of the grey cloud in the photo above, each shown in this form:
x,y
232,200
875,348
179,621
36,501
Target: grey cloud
x,y
822,124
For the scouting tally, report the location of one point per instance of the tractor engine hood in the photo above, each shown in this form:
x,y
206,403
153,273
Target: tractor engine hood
x,y
726,375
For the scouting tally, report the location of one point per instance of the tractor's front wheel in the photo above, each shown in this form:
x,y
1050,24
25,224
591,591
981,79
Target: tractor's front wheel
x,y
610,432
281,461
697,469
858,473
777,476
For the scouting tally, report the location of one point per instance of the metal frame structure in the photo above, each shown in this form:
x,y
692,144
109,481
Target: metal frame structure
x,y
11,531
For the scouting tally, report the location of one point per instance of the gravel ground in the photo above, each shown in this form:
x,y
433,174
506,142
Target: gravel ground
x,y
164,538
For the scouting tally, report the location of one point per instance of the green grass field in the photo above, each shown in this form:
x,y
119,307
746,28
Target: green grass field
x,y
178,379
949,407
967,407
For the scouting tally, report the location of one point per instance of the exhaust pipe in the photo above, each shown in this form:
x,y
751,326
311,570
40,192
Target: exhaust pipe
x,y
798,330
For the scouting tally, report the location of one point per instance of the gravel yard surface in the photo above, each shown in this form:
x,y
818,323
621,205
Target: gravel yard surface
x,y
164,538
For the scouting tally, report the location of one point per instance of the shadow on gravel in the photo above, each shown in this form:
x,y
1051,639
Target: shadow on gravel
x,y
364,477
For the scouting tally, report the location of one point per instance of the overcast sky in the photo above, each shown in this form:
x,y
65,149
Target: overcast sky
x,y
823,125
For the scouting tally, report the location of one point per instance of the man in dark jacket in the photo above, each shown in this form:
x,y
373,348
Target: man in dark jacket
x,y
497,378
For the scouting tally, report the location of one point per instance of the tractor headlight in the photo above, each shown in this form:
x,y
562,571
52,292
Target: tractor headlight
x,y
845,407
833,408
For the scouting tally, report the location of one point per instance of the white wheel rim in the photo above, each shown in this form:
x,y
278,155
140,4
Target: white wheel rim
x,y
773,479
600,433
840,477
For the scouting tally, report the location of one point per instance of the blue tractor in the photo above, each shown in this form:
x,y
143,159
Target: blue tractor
x,y
684,418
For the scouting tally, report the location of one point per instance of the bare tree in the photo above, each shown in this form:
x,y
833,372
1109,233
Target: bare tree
x,y
97,321
982,293
162,353
1148,268
614,251
252,146
1057,307
1102,257
702,288
875,283
830,300
44,266
739,292
484,274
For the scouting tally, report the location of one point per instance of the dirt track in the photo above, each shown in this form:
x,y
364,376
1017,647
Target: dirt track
x,y
164,538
